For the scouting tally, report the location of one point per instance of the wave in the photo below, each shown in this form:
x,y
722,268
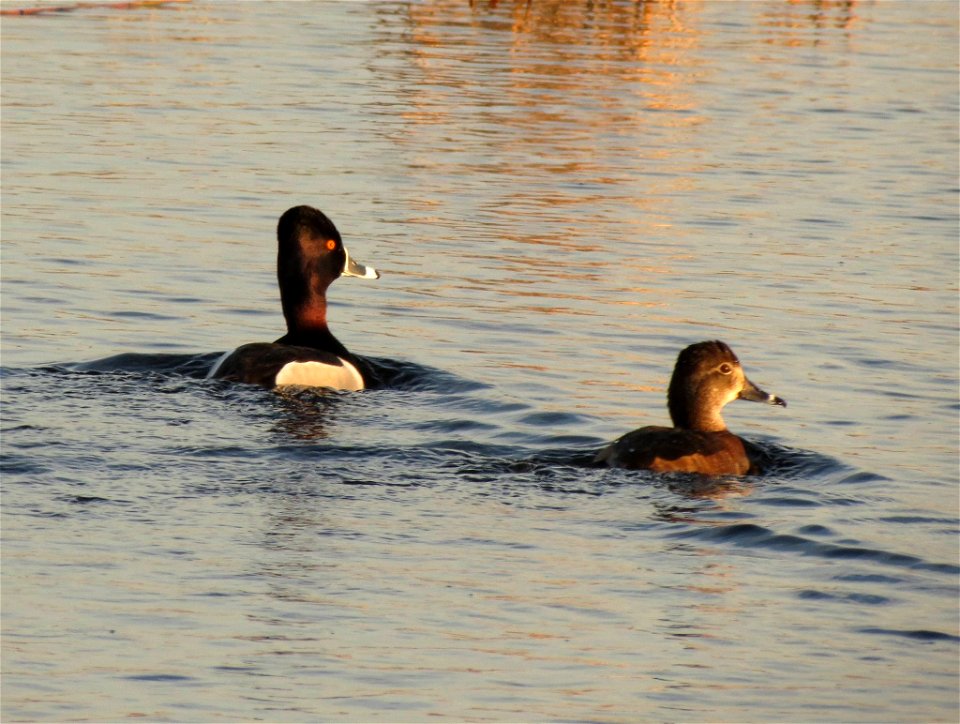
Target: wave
x,y
751,535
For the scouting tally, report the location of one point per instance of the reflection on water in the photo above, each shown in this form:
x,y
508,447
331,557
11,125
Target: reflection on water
x,y
579,97
561,196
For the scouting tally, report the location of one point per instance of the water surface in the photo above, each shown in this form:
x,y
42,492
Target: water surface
x,y
560,197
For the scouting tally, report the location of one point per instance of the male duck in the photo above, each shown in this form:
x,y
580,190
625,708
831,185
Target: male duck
x,y
706,377
310,257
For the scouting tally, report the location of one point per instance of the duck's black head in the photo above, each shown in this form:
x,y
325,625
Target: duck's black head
x,y
310,256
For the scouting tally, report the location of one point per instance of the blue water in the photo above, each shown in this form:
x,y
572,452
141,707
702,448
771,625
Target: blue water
x,y
560,196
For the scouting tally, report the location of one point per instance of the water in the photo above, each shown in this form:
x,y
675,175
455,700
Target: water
x,y
560,196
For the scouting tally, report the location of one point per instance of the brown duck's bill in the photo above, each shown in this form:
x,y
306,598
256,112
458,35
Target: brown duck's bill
x,y
353,268
753,393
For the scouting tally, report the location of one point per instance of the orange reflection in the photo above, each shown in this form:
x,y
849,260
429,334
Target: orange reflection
x,y
555,76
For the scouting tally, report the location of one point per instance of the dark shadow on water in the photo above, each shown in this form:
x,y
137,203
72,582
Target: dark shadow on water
x,y
182,365
754,535
402,375
466,433
385,373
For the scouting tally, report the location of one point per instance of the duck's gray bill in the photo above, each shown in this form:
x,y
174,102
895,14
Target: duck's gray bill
x,y
353,268
753,393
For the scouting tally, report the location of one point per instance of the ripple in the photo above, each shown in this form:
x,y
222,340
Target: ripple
x,y
788,463
85,499
403,375
160,678
859,598
868,578
915,634
782,501
189,365
550,419
859,477
756,536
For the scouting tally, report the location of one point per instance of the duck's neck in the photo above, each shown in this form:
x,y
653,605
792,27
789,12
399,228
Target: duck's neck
x,y
307,327
309,315
693,412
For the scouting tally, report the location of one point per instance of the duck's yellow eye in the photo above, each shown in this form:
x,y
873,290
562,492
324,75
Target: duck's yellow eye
x,y
331,244
725,368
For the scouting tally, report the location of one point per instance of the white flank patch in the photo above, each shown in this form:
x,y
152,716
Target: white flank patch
x,y
320,374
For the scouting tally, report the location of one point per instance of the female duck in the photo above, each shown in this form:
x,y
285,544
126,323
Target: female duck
x,y
706,377
311,255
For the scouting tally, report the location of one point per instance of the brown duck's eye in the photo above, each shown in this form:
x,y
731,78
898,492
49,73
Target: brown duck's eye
x,y
725,368
331,244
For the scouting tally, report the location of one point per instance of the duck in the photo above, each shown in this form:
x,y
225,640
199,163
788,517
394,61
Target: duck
x,y
310,257
706,376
